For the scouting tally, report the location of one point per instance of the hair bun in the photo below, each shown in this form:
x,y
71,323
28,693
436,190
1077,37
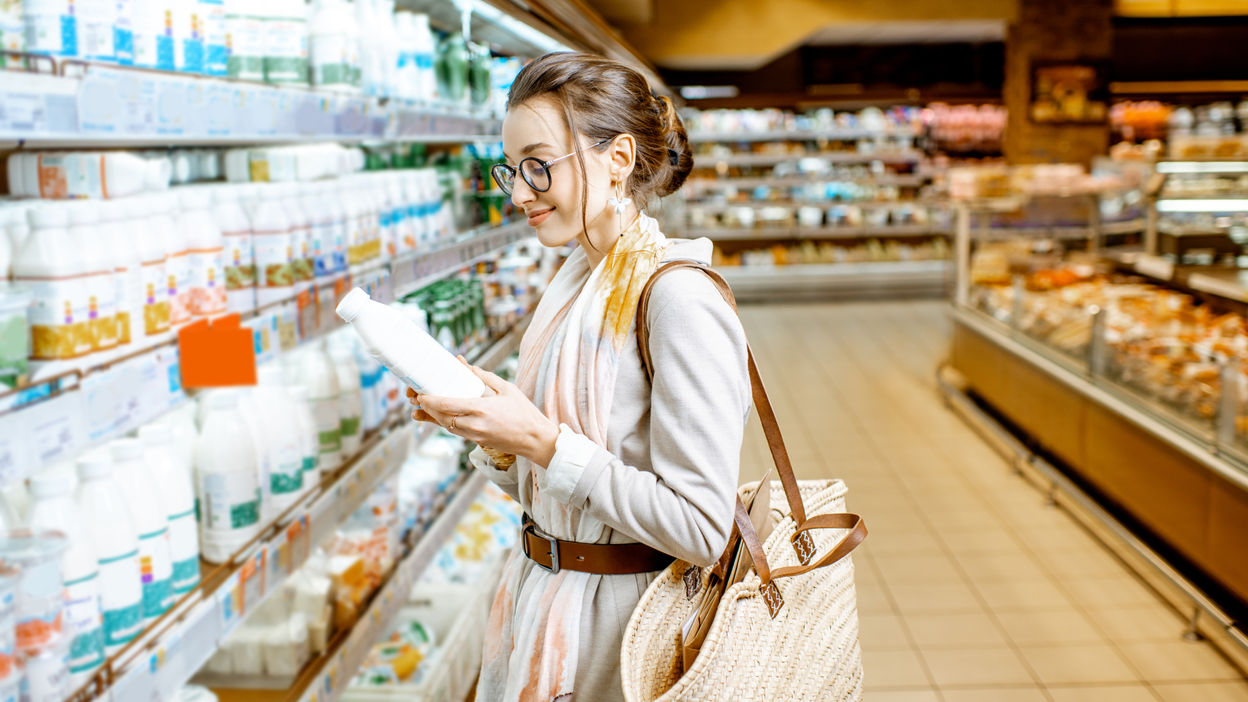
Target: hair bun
x,y
679,156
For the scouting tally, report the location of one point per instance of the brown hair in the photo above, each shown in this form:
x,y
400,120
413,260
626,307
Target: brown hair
x,y
602,99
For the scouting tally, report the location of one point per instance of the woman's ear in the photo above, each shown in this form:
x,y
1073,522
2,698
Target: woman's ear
x,y
623,155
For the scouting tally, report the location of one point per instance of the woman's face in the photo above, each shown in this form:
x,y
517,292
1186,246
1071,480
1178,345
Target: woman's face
x,y
537,129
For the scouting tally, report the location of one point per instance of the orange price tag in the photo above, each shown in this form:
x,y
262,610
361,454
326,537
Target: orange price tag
x,y
217,353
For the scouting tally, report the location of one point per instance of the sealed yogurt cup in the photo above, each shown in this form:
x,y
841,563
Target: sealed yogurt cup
x,y
38,598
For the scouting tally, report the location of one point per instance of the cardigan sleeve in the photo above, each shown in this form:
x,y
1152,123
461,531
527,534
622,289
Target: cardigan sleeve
x,y
699,400
505,479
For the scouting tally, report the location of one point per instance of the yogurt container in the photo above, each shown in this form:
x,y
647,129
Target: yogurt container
x,y
39,600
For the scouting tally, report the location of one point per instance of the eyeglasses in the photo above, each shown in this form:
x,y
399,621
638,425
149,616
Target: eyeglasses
x,y
535,172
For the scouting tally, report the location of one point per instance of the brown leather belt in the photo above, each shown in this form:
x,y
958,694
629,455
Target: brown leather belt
x,y
603,559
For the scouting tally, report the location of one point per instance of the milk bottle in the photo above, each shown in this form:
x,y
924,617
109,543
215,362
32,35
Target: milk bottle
x,y
52,266
107,519
273,246
309,441
53,508
281,434
177,258
207,281
229,487
154,280
239,257
177,498
121,244
138,485
350,402
84,221
316,371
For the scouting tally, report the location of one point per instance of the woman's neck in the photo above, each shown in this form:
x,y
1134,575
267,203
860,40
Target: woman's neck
x,y
603,231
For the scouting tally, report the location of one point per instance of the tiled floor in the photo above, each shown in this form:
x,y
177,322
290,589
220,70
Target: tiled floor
x,y
970,589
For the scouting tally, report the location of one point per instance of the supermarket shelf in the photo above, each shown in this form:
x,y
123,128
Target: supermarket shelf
x,y
705,206
892,279
898,180
710,161
787,233
178,645
800,135
132,108
1226,283
1193,443
60,418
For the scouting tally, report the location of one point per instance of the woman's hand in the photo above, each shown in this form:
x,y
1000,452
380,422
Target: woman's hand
x,y
503,419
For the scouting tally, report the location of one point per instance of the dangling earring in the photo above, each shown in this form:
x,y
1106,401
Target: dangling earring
x,y
619,202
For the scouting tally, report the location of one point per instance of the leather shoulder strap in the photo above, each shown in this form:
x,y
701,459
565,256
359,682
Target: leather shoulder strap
x,y
762,404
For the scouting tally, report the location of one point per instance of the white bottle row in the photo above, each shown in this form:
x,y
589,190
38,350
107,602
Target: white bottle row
x,y
113,277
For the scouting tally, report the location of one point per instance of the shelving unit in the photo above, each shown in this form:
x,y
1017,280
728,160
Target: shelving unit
x,y
827,156
899,279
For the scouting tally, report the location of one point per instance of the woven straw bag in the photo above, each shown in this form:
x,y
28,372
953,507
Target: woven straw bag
x,y
785,620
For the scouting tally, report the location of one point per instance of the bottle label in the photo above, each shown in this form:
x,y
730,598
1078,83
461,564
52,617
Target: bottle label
x,y
288,476
207,283
184,547
102,311
178,280
273,259
71,176
192,56
84,624
286,51
121,604
309,465
123,42
155,298
329,60
328,424
128,286
230,501
156,573
240,262
350,426
96,39
59,327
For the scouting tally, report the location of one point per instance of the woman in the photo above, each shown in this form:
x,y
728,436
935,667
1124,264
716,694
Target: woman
x,y
602,454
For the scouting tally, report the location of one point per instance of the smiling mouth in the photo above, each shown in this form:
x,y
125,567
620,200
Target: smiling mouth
x,y
539,216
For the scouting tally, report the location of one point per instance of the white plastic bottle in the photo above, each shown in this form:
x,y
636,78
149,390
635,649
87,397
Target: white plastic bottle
x,y
84,226
182,426
332,44
286,42
316,371
341,226
244,30
309,439
52,266
153,41
121,246
212,26
229,488
281,437
206,247
302,264
123,32
51,27
139,486
188,40
177,501
154,283
408,72
321,229
423,49
407,350
53,508
84,174
350,401
372,72
107,518
239,256
388,46
274,249
97,20
177,258
12,32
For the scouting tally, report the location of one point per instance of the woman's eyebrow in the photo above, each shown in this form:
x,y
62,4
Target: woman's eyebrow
x,y
534,147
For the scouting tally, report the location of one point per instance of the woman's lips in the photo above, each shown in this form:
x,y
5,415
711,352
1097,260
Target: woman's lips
x,y
536,218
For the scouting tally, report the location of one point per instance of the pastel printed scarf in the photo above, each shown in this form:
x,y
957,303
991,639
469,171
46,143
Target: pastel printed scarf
x,y
569,360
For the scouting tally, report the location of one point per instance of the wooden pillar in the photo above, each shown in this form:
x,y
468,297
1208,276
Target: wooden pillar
x,y
1055,33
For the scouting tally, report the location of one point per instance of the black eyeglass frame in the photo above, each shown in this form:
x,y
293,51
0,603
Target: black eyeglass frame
x,y
500,170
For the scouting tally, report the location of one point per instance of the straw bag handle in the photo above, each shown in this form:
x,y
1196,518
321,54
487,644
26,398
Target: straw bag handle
x,y
802,543
767,577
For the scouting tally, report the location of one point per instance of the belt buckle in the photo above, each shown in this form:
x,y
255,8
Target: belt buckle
x,y
531,527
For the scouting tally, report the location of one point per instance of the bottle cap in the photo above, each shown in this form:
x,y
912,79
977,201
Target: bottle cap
x,y
352,305
126,449
95,464
156,434
51,483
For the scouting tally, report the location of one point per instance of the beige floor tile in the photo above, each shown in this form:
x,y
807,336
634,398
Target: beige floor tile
x,y
904,696
980,567
941,520
966,667
934,598
1049,626
1019,595
873,600
963,630
885,669
913,543
1202,692
993,694
1065,664
918,568
1101,693
882,631
1179,661
979,541
1121,591
1151,622
1083,563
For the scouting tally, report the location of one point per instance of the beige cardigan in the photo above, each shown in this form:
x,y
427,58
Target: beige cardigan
x,y
669,475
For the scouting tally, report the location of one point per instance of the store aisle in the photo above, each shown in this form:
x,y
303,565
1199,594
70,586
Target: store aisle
x,y
970,589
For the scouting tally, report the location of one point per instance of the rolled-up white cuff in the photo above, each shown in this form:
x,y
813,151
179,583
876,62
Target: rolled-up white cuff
x,y
573,454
